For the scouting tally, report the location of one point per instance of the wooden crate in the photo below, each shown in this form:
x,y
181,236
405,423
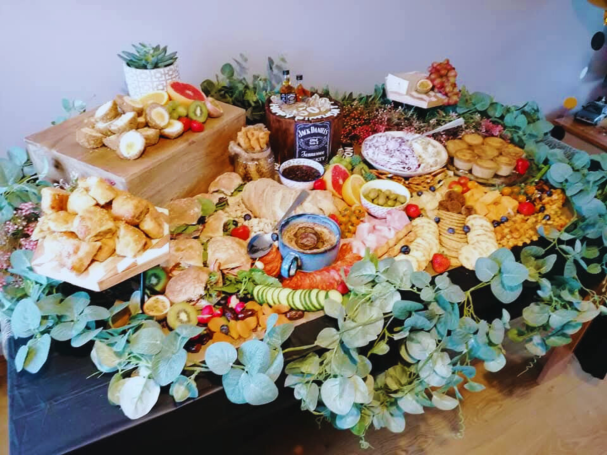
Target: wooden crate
x,y
170,169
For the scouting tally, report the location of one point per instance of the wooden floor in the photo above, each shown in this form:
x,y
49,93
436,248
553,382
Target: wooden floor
x,y
514,415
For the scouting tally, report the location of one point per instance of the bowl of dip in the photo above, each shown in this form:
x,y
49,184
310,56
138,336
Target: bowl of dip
x,y
307,242
300,173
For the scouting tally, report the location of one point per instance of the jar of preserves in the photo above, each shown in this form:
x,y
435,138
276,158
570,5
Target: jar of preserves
x,y
252,165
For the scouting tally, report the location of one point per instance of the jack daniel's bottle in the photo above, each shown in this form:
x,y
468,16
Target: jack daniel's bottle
x,y
287,91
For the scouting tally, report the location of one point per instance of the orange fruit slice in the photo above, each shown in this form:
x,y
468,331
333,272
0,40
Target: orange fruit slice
x,y
159,96
351,189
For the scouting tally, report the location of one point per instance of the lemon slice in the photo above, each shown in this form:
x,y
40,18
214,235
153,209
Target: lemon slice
x,y
157,306
159,96
351,189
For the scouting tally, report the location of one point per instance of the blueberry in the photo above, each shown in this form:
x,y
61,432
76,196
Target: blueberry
x,y
496,223
503,219
466,229
274,237
437,219
433,188
542,209
405,249
546,217
247,217
451,231
419,193
549,193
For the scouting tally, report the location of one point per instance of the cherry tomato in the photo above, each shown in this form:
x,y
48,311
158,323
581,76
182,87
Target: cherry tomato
x,y
463,180
465,189
187,123
412,211
472,184
506,191
521,198
320,184
526,208
241,232
456,187
196,126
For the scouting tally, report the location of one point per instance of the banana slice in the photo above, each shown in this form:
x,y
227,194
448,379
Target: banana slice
x,y
173,130
132,145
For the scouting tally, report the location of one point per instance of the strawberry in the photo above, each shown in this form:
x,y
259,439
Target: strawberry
x,y
196,126
186,123
440,263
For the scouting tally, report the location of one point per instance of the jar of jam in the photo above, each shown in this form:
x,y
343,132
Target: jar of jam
x,y
252,165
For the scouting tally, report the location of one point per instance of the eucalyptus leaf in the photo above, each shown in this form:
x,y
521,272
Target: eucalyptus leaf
x,y
255,356
220,357
348,420
409,404
138,396
277,362
84,337
258,389
474,387
189,330
95,313
62,331
485,269
338,395
232,386
114,388
104,357
496,364
403,308
147,341
20,357
328,338
166,367
444,402
26,318
37,353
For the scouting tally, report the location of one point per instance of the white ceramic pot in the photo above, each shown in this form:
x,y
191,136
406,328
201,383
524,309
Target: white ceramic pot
x,y
377,210
300,161
139,82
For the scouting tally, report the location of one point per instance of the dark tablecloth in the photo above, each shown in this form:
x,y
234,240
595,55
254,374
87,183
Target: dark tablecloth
x,y
64,407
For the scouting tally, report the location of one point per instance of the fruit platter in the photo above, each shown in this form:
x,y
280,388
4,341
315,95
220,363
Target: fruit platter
x,y
389,237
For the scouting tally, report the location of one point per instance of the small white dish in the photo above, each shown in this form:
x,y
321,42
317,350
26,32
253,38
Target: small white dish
x,y
377,210
301,162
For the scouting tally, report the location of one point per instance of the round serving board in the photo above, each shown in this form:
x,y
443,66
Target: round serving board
x,y
316,138
442,160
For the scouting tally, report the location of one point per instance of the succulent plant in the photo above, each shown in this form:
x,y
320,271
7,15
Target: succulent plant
x,y
148,57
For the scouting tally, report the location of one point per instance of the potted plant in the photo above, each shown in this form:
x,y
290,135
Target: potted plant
x,y
149,69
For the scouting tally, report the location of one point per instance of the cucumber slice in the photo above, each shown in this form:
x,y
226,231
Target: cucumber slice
x,y
308,299
283,295
336,295
312,296
264,294
274,296
298,299
320,301
259,297
255,290
291,300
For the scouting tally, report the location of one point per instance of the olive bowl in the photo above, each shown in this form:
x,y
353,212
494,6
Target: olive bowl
x,y
379,211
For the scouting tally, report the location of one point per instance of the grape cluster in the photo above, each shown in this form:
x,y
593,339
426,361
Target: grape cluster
x,y
443,76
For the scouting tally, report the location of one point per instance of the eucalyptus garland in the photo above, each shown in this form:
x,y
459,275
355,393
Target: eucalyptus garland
x,y
429,322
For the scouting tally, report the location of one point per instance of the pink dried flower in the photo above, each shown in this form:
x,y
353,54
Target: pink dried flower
x,y
27,208
490,128
10,227
5,260
28,244
29,229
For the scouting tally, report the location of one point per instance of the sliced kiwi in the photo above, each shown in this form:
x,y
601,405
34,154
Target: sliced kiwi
x,y
182,313
198,111
156,278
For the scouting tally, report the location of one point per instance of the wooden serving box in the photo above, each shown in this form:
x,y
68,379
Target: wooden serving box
x,y
171,169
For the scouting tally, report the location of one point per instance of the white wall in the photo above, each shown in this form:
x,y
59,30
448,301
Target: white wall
x,y
515,49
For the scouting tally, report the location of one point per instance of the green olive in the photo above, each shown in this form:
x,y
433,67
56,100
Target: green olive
x,y
372,194
392,196
387,193
391,203
381,200
401,199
